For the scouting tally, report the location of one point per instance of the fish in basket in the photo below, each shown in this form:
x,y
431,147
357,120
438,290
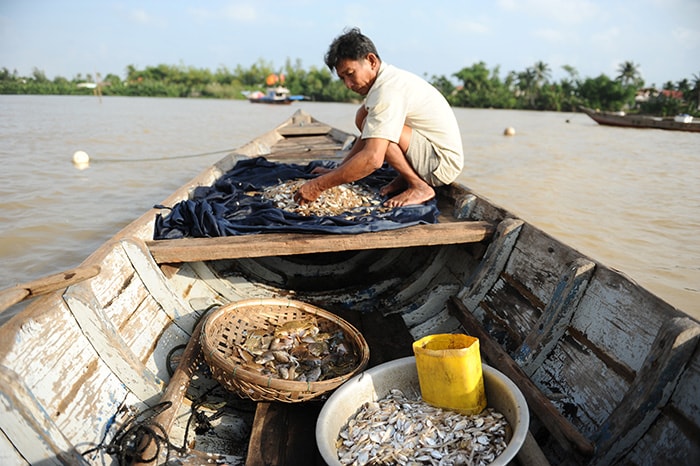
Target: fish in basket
x,y
281,350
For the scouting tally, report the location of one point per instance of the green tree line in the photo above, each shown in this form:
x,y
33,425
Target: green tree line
x,y
476,86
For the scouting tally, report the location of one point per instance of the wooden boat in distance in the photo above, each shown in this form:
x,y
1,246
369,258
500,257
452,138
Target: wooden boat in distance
x,y
610,372
642,121
274,95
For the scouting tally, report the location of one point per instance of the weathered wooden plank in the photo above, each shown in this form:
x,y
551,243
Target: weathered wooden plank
x,y
230,288
126,306
70,384
442,322
492,264
310,129
114,290
33,432
14,295
230,247
468,205
55,329
579,383
620,318
8,453
175,393
667,442
11,296
560,427
112,349
507,311
675,343
425,307
144,329
685,396
556,317
284,434
304,146
537,263
434,270
87,403
463,205
157,286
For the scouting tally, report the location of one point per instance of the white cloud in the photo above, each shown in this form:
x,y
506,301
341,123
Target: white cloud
x,y
143,17
550,35
561,11
241,12
200,14
140,16
465,25
607,36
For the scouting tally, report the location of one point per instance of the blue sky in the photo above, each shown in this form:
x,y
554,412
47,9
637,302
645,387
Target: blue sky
x,y
67,38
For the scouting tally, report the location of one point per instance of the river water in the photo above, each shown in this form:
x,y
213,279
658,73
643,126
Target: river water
x,y
628,198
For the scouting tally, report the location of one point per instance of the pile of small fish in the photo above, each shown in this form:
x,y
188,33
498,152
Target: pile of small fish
x,y
334,201
399,431
298,350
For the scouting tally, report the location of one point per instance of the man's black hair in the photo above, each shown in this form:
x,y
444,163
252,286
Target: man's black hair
x,y
351,45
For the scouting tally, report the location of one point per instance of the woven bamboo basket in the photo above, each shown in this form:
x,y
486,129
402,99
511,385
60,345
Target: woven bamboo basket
x,y
228,326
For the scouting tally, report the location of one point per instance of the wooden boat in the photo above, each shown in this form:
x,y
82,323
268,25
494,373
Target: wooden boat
x,y
642,121
274,95
611,373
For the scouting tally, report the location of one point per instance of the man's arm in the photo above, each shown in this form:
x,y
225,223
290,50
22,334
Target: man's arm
x,y
356,166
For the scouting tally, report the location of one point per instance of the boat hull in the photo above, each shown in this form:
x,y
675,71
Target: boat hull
x,y
610,371
265,100
640,121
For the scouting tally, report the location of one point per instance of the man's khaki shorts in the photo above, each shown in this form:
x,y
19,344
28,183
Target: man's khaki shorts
x,y
423,158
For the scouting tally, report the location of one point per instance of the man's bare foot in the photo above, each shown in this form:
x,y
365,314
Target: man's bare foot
x,y
412,196
397,184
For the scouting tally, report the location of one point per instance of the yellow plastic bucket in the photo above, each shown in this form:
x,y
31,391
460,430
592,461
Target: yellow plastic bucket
x,y
449,372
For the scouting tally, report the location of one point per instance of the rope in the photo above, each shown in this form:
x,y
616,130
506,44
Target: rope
x,y
204,154
131,440
157,159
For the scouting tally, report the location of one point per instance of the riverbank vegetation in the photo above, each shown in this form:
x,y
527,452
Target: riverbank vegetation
x,y
476,86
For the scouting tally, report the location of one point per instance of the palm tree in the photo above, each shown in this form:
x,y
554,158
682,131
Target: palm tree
x,y
694,93
571,71
542,73
527,85
629,74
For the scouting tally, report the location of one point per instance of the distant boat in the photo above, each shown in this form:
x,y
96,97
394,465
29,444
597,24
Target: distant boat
x,y
678,123
274,95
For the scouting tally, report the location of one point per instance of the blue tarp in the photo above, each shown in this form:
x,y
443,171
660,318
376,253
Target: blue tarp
x,y
225,209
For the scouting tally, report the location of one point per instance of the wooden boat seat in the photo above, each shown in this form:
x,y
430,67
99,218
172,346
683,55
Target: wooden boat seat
x,y
283,244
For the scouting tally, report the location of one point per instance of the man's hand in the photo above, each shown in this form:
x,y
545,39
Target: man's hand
x,y
309,192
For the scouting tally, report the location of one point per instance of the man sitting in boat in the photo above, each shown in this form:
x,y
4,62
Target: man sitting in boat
x,y
403,120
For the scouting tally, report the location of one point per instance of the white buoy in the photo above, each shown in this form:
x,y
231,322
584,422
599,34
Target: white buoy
x,y
509,131
81,159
